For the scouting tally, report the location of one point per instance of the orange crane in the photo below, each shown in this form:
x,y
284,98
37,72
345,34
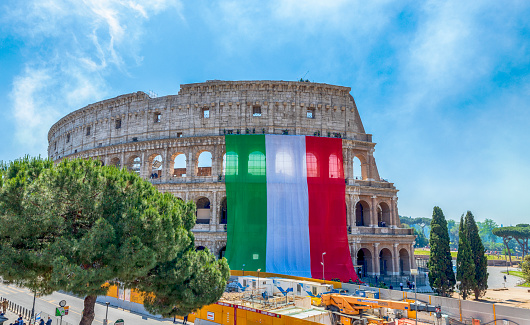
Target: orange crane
x,y
354,306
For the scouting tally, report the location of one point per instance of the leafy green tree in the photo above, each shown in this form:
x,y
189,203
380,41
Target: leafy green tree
x,y
465,266
507,235
441,275
421,240
521,234
479,256
485,230
525,268
77,226
453,226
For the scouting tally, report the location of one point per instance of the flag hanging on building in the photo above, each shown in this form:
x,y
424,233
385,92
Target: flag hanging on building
x,y
286,206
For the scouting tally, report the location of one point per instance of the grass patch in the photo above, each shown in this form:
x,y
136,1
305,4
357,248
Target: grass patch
x,y
454,254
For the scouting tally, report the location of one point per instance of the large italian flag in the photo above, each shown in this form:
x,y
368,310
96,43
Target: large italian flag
x,y
286,206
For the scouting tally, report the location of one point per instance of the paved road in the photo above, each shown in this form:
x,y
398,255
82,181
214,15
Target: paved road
x,y
47,304
496,278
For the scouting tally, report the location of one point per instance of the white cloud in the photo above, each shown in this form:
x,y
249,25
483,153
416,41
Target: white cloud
x,y
74,45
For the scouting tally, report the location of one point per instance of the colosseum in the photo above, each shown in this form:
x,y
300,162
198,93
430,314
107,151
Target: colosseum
x,y
178,143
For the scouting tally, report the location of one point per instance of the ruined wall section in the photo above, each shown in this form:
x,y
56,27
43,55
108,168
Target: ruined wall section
x,y
210,109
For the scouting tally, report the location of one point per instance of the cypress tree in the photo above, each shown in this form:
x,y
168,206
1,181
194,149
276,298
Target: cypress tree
x,y
479,256
465,266
441,275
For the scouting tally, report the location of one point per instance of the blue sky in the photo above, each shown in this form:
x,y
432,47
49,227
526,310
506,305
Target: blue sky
x,y
443,86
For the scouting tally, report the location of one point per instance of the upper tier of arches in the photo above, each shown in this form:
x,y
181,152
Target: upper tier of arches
x,y
211,109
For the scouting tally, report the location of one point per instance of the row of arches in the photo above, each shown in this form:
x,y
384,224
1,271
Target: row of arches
x,y
204,163
363,214
386,262
203,212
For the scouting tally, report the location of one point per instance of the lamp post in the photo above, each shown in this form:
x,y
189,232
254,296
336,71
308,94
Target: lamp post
x,y
415,273
33,308
258,280
323,278
458,283
106,314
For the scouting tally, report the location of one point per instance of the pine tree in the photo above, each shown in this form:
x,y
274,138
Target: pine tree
x,y
441,275
479,256
77,225
465,266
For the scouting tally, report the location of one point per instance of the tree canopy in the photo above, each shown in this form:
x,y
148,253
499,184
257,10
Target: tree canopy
x,y
441,275
521,234
480,260
78,225
465,266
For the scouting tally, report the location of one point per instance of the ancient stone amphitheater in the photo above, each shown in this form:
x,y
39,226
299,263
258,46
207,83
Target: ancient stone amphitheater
x,y
177,142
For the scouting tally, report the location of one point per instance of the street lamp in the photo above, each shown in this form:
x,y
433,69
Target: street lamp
x,y
258,280
106,314
415,273
458,283
323,278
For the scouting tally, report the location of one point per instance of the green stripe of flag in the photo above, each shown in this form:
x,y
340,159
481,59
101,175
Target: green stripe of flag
x,y
246,192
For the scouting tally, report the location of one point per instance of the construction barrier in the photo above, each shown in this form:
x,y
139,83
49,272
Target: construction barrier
x,y
230,314
465,311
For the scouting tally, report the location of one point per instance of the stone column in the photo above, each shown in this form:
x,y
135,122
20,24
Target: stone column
x,y
143,167
396,259
373,213
166,172
213,212
375,260
123,163
411,256
393,222
190,166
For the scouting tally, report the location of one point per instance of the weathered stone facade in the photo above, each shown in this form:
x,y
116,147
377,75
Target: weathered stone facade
x,y
152,136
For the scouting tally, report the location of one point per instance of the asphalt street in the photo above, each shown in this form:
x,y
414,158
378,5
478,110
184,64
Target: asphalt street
x,y
496,277
47,304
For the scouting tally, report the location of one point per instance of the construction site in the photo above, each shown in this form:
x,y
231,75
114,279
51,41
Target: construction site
x,y
273,299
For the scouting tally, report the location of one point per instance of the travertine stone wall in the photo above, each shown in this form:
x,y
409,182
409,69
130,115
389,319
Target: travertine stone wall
x,y
118,130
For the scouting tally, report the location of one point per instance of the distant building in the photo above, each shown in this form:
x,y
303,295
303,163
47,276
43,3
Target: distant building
x,y
177,142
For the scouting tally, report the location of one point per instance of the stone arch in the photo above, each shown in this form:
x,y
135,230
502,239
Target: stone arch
x,y
115,162
383,215
134,164
200,248
362,214
155,162
179,164
359,167
204,163
404,261
336,169
203,210
364,259
223,212
385,261
222,252
312,165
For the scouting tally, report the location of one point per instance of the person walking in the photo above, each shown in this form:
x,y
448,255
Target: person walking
x,y
185,320
5,304
49,321
401,285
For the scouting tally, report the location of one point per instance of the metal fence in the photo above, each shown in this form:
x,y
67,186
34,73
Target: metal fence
x,y
26,313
